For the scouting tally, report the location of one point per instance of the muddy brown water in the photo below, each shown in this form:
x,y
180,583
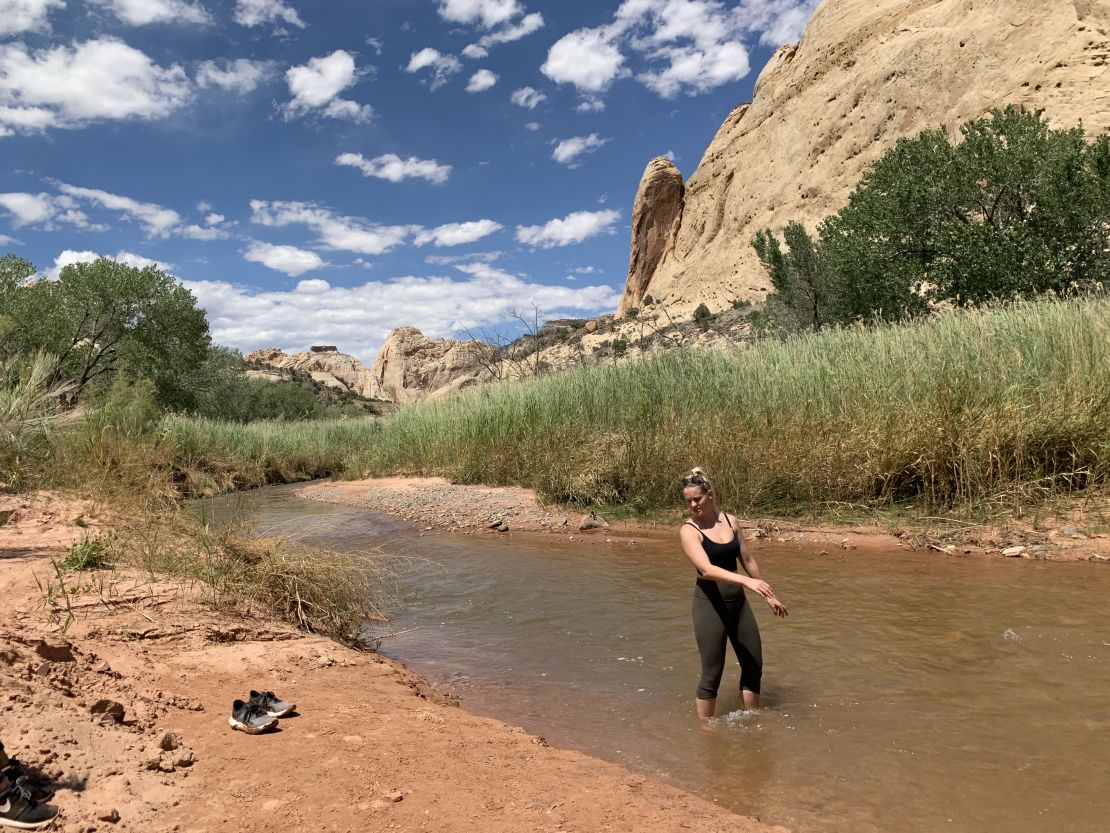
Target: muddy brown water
x,y
906,692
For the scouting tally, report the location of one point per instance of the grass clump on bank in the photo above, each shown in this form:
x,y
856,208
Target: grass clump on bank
x,y
995,408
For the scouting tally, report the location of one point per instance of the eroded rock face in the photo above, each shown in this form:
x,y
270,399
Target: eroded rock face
x,y
411,367
655,216
331,368
866,73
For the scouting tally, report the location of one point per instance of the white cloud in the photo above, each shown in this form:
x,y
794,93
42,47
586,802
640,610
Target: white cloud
x,y
44,210
590,105
486,13
457,234
568,150
776,21
574,228
352,234
687,46
68,87
26,15
359,318
532,125
395,169
240,76
483,79
498,17
5,240
585,58
507,34
145,12
258,12
288,259
156,220
214,219
28,209
527,97
442,66
315,86
448,260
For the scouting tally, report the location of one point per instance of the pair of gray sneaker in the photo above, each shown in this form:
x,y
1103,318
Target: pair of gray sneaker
x,y
259,712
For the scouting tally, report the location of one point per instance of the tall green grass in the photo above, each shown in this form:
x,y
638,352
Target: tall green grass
x,y
965,409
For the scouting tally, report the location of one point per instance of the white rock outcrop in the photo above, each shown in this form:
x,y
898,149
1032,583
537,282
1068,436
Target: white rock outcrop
x,y
866,73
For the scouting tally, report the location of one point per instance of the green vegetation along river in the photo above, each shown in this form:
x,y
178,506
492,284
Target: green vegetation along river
x,y
908,692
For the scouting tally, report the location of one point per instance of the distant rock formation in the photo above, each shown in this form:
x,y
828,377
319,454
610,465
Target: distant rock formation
x,y
411,367
866,73
328,367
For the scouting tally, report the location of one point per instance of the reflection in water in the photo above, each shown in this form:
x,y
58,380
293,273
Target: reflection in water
x,y
905,692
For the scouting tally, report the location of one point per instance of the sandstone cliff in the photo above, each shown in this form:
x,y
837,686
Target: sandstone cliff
x,y
328,367
866,73
411,368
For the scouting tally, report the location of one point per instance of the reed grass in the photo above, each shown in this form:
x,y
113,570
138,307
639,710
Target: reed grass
x,y
994,408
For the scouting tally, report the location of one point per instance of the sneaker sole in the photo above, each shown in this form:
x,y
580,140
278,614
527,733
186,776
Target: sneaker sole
x,y
249,728
283,712
27,825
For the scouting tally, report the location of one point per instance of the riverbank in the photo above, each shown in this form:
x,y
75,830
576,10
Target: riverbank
x,y
435,504
373,746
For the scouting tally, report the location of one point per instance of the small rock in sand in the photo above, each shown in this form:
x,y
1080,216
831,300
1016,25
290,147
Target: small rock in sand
x,y
1013,552
111,816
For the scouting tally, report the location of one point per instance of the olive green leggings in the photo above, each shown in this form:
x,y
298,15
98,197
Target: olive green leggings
x,y
723,615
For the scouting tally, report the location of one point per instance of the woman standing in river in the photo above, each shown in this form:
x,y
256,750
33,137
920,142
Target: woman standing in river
x,y
711,540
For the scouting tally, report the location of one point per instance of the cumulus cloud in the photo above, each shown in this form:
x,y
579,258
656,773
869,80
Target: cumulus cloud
x,y
288,259
26,15
359,318
392,167
527,97
568,150
240,76
686,46
587,58
442,66
70,86
145,12
574,228
156,220
355,234
315,87
260,12
532,125
483,79
776,21
48,211
457,234
352,234
503,20
486,13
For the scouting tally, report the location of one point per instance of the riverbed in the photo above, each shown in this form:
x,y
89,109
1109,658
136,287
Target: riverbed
x,y
910,692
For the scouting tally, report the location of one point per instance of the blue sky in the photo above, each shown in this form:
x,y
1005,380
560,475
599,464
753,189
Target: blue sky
x,y
324,171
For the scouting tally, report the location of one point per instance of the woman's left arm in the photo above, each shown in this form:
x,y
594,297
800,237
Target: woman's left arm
x,y
751,567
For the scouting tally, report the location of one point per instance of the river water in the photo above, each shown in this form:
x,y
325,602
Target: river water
x,y
906,692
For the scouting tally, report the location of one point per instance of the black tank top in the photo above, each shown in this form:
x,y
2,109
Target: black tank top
x,y
720,555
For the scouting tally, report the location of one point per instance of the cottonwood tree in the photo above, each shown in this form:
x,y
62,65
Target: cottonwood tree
x,y
1013,209
103,318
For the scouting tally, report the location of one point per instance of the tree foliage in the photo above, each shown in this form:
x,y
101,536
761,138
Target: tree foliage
x,y
798,275
1013,209
103,318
